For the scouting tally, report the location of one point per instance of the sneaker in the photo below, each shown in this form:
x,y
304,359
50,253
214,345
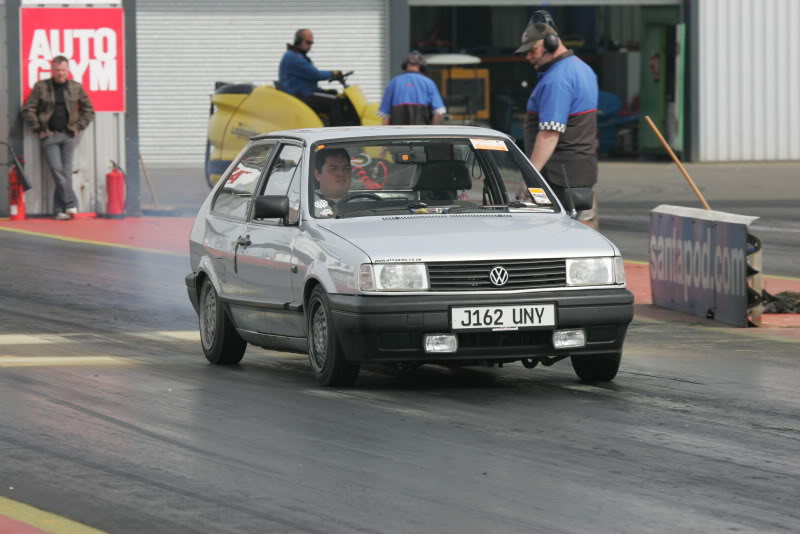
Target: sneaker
x,y
71,212
61,216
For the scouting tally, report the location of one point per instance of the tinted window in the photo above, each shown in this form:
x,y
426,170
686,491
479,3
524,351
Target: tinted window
x,y
234,197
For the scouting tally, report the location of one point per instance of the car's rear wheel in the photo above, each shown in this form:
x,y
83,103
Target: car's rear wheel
x,y
600,368
328,363
222,344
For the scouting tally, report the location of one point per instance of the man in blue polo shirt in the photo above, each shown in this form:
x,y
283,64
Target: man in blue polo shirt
x,y
299,77
561,123
412,97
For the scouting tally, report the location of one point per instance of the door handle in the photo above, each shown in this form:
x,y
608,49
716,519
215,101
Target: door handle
x,y
243,242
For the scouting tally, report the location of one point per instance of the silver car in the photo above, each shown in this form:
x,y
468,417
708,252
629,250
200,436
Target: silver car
x,y
403,246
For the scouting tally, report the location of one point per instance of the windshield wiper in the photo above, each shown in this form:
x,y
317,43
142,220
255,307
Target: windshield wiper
x,y
514,204
376,209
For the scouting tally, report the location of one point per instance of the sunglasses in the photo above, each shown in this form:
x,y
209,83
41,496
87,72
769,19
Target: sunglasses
x,y
309,42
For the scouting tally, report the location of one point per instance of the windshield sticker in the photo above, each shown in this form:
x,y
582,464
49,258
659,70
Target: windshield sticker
x,y
539,196
489,144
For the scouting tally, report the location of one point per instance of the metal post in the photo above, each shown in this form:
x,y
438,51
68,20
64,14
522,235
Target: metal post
x,y
691,84
12,119
399,23
132,180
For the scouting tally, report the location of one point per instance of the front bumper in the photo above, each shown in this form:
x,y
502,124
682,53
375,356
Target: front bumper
x,y
391,328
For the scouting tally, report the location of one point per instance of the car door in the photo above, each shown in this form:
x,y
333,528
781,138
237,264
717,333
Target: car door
x,y
265,264
226,222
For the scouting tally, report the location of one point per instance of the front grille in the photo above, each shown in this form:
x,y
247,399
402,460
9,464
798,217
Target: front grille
x,y
474,275
506,340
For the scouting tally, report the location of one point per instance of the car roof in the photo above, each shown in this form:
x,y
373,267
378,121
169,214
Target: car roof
x,y
338,133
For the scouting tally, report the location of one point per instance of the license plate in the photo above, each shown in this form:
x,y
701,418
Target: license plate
x,y
498,318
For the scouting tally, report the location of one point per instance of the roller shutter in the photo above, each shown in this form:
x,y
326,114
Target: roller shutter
x,y
184,46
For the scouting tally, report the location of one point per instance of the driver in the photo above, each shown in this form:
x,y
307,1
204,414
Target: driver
x,y
298,76
333,174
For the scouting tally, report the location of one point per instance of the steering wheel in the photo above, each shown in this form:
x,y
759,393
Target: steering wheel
x,y
360,194
343,78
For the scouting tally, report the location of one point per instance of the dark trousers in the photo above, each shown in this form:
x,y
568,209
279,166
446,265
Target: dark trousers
x,y
58,150
327,103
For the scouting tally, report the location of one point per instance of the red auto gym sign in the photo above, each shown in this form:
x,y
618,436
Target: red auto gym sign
x,y
92,38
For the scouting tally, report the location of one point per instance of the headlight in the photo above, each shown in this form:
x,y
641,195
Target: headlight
x,y
619,270
393,277
590,271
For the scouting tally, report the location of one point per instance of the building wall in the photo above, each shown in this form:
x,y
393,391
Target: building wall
x,y
184,46
748,79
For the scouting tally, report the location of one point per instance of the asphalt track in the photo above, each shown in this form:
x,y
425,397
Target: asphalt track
x,y
112,418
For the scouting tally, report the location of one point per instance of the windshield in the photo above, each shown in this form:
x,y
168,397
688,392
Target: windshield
x,y
423,175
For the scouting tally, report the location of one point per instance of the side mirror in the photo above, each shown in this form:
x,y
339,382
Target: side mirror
x,y
582,198
271,207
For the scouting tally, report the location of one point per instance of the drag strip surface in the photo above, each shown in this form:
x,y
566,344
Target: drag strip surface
x,y
135,432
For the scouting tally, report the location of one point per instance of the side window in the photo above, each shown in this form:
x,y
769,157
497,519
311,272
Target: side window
x,y
235,194
282,179
282,171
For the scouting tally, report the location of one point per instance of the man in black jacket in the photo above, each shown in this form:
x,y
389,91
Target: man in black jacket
x,y
57,110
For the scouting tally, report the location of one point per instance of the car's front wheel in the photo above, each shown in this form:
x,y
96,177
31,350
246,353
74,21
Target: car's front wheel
x,y
221,342
328,364
600,368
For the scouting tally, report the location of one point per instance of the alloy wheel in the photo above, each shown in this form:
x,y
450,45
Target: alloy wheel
x,y
319,336
208,318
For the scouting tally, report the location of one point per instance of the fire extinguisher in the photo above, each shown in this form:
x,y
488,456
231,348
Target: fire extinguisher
x,y
115,192
16,196
17,185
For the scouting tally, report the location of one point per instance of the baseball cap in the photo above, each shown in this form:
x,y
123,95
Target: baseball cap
x,y
534,32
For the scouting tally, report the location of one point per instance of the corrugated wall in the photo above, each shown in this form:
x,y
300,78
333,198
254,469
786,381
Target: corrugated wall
x,y
748,80
184,46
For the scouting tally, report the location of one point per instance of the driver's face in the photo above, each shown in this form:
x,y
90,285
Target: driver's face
x,y
334,178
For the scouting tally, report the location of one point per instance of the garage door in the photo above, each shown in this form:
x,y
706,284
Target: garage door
x,y
184,46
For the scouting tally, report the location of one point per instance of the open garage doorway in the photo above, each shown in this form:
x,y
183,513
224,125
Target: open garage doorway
x,y
635,49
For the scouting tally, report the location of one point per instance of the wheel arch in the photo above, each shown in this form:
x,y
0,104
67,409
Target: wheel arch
x,y
311,283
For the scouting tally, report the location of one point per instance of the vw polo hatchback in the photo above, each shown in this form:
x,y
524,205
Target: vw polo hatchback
x,y
402,246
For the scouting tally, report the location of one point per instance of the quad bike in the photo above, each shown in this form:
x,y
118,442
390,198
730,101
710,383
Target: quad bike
x,y
241,110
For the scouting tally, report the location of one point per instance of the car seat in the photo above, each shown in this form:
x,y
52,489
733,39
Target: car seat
x,y
442,180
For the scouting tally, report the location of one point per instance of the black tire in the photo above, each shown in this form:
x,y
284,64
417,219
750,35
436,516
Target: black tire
x,y
221,343
599,368
328,363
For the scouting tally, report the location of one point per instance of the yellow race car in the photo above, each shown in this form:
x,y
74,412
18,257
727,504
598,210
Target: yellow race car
x,y
241,110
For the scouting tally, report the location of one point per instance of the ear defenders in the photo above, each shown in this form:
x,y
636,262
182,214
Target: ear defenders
x,y
551,43
415,58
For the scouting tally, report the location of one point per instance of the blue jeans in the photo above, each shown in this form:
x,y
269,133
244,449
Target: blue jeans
x,y
58,149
